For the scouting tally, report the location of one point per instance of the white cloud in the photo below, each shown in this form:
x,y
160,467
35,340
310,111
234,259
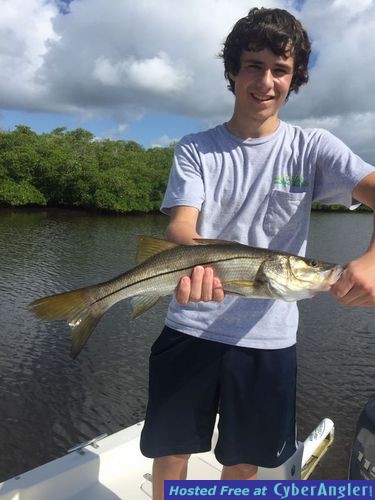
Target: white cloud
x,y
122,59
139,56
106,72
156,75
25,31
339,95
342,79
164,141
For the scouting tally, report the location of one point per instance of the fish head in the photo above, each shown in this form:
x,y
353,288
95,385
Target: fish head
x,y
296,278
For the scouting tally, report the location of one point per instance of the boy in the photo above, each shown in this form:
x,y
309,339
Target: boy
x,y
250,180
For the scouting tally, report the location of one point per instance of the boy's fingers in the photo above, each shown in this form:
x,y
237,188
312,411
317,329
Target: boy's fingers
x,y
183,290
217,290
200,286
196,283
207,284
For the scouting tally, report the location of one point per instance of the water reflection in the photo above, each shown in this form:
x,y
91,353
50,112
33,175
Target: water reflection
x,y
50,402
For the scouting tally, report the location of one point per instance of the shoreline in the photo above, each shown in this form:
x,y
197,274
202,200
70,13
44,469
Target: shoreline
x,y
94,211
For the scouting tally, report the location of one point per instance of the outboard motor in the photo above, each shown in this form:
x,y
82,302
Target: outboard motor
x,y
362,459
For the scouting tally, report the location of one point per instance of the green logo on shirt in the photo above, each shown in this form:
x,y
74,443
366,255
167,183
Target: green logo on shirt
x,y
290,181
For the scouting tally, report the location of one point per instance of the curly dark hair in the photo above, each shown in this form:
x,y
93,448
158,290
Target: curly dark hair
x,y
273,29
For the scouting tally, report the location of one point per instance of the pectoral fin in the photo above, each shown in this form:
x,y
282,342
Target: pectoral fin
x,y
242,283
253,289
239,287
141,303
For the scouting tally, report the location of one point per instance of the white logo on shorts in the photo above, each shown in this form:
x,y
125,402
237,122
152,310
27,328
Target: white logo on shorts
x,y
280,451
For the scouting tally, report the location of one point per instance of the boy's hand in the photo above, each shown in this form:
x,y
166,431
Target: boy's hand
x,y
356,286
202,285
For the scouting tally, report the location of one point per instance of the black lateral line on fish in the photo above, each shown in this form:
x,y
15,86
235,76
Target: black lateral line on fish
x,y
171,272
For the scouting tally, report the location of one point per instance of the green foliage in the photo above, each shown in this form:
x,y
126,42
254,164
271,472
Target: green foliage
x,y
15,194
71,168
337,208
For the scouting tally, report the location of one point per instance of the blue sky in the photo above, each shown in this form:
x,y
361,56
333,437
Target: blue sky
x,y
153,129
148,70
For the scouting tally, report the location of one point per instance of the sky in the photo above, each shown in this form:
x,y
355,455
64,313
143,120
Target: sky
x,y
149,70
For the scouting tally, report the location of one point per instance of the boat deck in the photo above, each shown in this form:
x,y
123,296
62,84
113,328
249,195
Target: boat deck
x,y
114,468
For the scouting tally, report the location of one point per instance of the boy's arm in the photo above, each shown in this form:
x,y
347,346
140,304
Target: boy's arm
x,y
202,284
356,287
182,225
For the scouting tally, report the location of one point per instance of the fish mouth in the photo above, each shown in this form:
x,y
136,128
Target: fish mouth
x,y
331,276
334,274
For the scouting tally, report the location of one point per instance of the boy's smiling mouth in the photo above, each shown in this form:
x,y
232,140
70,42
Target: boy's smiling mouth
x,y
261,98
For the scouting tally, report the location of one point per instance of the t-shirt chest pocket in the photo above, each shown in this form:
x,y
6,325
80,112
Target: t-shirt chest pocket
x,y
284,212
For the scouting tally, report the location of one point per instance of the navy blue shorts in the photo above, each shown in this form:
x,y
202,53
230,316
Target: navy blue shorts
x,y
253,390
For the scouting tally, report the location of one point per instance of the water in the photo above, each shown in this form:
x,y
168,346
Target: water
x,y
50,402
336,344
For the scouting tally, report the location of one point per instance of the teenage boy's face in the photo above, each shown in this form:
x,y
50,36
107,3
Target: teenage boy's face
x,y
262,83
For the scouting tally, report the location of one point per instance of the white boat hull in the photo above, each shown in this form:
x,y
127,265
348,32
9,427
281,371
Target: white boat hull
x,y
114,468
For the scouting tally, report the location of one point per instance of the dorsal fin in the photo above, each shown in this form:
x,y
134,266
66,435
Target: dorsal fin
x,y
149,246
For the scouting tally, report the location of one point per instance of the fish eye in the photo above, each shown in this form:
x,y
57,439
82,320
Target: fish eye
x,y
313,263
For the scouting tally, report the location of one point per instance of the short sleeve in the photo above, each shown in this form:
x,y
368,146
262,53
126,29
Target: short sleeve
x,y
185,184
338,171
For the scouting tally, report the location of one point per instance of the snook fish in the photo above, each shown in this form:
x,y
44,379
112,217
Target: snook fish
x,y
243,270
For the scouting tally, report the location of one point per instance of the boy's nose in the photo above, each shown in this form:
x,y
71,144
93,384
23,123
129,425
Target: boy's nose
x,y
265,80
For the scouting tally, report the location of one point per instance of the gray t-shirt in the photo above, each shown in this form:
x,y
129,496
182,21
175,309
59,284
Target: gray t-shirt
x,y
258,192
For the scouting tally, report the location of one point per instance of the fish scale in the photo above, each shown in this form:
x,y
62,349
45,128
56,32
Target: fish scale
x,y
243,270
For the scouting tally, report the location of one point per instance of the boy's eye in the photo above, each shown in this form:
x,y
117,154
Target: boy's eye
x,y
282,71
253,66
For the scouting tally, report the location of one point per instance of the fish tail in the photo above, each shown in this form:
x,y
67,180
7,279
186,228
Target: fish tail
x,y
79,307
